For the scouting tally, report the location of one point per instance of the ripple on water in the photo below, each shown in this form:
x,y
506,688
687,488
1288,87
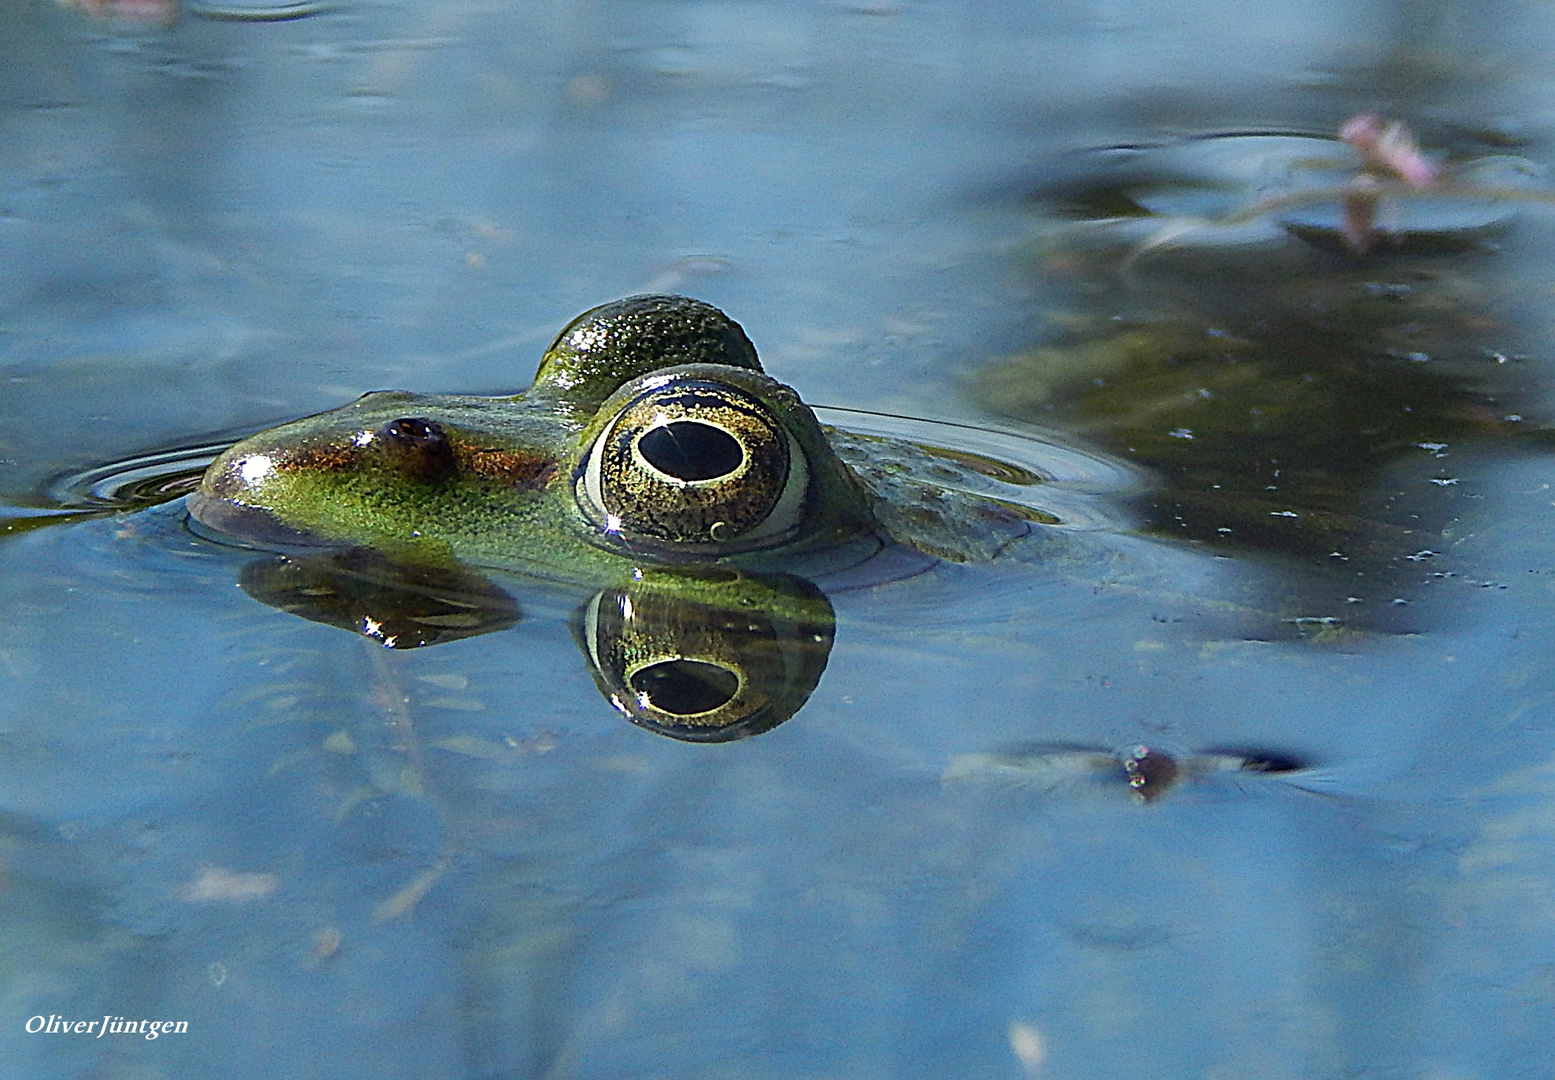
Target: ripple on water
x,y
1063,486
117,487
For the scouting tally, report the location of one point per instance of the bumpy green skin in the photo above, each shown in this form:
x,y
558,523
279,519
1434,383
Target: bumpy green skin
x,y
500,493
614,343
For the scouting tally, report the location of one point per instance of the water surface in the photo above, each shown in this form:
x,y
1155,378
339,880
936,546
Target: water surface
x,y
335,859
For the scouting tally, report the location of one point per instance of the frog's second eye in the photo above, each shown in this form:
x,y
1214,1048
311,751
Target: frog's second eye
x,y
695,461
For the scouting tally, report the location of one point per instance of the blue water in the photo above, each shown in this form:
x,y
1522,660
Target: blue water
x,y
335,860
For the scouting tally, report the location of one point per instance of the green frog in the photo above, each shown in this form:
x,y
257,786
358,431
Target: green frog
x,y
651,460
650,437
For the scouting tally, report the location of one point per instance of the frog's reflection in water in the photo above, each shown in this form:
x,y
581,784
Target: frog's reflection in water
x,y
705,653
696,653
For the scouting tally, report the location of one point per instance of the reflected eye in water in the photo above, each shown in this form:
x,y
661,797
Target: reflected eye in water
x,y
707,654
403,607
694,461
677,686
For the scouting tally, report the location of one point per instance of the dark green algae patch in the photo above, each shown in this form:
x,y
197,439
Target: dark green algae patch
x,y
1276,393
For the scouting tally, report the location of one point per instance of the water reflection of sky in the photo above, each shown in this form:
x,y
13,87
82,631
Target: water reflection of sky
x,y
207,808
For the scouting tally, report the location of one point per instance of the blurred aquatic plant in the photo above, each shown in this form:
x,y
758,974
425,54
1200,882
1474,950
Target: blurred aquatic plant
x,y
1388,150
1295,332
1370,185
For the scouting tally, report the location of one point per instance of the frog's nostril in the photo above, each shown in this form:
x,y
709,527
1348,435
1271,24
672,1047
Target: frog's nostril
x,y
415,431
419,447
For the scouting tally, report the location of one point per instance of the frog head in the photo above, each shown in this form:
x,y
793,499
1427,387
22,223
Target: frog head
x,y
650,436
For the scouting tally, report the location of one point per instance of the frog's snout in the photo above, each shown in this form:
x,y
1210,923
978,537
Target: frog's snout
x,y
225,501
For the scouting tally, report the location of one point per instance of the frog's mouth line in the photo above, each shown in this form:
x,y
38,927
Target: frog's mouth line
x,y
233,524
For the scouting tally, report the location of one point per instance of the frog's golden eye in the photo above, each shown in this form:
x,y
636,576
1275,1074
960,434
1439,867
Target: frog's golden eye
x,y
694,461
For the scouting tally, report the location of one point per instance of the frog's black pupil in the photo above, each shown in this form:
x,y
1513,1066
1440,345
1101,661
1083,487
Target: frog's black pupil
x,y
691,450
685,687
